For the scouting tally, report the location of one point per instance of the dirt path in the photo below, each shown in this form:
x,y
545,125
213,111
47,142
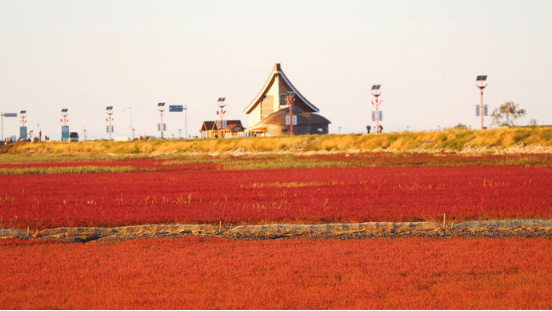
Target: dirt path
x,y
488,229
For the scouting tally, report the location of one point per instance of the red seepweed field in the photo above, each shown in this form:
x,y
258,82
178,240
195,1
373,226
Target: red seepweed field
x,y
276,195
197,273
297,273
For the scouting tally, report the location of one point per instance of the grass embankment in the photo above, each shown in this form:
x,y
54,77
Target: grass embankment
x,y
87,169
449,140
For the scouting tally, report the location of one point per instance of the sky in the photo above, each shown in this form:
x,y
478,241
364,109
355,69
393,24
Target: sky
x,y
86,55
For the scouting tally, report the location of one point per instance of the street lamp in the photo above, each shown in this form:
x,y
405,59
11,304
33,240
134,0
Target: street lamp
x,y
64,127
481,110
290,99
131,124
185,121
377,116
109,112
161,127
221,105
23,128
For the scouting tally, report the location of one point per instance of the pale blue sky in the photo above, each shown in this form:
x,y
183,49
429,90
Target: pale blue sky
x,y
86,55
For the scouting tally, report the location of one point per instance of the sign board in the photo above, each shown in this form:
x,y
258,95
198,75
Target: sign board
x,y
23,132
374,116
64,132
176,108
10,115
159,127
109,129
294,120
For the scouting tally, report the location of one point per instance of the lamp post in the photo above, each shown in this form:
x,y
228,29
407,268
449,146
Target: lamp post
x,y
221,111
109,112
23,128
64,127
481,109
377,116
131,123
161,108
290,99
185,121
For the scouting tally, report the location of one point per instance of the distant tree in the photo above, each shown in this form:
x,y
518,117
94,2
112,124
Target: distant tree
x,y
460,126
533,122
507,113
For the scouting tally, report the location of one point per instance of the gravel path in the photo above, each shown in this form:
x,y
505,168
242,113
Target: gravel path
x,y
484,229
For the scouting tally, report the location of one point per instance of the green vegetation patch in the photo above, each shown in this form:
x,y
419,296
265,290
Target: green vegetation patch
x,y
70,170
284,162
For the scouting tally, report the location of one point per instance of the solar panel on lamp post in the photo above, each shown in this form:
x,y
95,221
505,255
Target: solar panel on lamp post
x,y
64,114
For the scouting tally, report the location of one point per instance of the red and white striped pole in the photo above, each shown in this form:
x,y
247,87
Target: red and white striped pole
x,y
481,85
481,106
376,92
290,100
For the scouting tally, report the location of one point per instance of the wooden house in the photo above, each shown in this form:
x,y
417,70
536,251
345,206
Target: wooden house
x,y
230,128
267,112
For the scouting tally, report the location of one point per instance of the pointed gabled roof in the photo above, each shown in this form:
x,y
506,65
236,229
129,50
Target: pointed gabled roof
x,y
209,126
277,72
213,125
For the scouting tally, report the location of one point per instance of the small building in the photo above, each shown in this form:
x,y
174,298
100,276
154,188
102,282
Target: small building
x,y
269,111
231,128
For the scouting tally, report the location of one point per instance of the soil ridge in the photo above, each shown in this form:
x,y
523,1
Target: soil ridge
x,y
488,228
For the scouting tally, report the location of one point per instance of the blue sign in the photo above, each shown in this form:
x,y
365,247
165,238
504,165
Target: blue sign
x,y
10,115
176,108
23,132
64,132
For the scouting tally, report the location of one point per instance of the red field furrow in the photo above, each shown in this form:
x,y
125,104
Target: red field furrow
x,y
195,273
283,195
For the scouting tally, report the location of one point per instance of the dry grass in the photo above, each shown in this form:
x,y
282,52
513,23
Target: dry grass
x,y
452,140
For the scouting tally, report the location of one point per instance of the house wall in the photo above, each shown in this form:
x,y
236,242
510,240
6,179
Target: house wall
x,y
255,116
267,106
279,129
274,93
